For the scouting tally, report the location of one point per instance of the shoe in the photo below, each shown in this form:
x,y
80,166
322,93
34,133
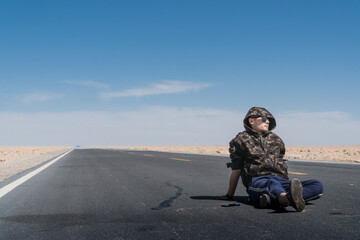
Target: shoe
x,y
295,195
265,201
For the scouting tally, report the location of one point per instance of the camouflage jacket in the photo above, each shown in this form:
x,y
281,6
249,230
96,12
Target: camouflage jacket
x,y
258,154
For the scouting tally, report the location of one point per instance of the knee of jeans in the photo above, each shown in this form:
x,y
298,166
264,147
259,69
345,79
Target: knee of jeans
x,y
320,187
317,186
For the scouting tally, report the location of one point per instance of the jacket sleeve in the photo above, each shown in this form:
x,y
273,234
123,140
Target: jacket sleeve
x,y
282,147
236,154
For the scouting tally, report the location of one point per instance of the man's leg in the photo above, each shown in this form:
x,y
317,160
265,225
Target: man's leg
x,y
312,189
283,191
265,185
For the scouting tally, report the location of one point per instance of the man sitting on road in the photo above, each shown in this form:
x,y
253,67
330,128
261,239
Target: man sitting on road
x,y
257,156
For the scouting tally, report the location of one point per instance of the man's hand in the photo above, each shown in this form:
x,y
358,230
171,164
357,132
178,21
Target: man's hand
x,y
225,197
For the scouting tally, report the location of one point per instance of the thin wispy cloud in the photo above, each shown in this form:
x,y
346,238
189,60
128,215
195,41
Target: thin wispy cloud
x,y
39,97
165,87
89,83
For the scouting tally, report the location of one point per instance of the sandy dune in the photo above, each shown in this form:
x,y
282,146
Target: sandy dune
x,y
17,159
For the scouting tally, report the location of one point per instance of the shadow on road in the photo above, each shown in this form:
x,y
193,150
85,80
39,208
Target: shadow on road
x,y
245,200
240,199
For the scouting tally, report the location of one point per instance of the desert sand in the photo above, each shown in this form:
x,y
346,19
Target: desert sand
x,y
17,159
319,153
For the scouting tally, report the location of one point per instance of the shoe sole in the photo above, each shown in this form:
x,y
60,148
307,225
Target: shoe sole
x,y
264,201
296,190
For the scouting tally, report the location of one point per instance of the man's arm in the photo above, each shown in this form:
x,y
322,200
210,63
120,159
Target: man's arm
x,y
236,164
234,179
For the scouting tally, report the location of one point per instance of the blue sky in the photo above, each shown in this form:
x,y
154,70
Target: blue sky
x,y
177,72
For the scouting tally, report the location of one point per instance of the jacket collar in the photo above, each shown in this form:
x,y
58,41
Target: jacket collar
x,y
256,134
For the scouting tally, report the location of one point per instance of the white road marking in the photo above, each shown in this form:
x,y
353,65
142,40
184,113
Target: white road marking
x,y
8,188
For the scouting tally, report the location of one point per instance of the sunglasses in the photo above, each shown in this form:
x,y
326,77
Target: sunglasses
x,y
263,118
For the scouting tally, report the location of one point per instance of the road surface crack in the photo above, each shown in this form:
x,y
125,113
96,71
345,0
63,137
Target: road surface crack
x,y
167,203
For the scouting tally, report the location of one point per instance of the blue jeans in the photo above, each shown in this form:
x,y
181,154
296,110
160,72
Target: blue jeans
x,y
273,186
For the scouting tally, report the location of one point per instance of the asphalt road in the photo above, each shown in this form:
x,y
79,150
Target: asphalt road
x,y
113,194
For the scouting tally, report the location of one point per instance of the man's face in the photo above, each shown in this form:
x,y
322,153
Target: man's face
x,y
259,124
